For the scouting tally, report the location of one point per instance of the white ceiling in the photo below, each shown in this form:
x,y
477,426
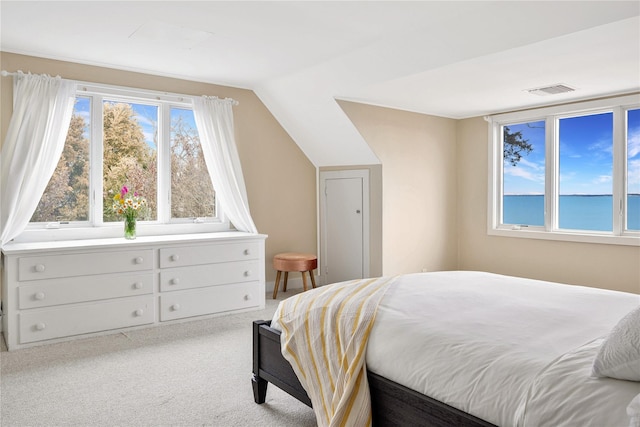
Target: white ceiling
x,y
453,59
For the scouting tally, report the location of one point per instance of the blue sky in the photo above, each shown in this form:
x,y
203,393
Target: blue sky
x,y
633,152
585,151
586,156
528,176
83,108
147,116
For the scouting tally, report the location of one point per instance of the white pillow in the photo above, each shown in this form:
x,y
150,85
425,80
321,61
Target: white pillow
x,y
619,354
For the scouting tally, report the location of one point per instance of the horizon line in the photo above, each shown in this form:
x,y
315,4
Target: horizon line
x,y
572,194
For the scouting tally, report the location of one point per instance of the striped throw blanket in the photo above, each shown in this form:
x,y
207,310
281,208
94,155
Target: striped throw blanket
x,y
324,338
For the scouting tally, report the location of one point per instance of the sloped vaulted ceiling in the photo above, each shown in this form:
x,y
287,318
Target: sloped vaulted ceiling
x,y
453,59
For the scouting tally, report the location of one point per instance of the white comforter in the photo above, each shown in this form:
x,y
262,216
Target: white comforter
x,y
512,351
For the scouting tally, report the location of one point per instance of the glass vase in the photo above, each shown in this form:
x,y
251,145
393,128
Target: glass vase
x,y
130,228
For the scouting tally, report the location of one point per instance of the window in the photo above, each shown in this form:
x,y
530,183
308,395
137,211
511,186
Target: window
x,y
145,140
585,172
129,153
568,172
523,171
192,194
633,169
66,198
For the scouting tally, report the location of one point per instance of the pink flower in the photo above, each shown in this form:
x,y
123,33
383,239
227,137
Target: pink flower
x,y
124,191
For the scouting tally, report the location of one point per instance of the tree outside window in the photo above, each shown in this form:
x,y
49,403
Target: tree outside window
x,y
66,197
129,147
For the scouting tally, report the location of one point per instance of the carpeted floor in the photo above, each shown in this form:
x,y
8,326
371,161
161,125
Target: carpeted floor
x,y
186,374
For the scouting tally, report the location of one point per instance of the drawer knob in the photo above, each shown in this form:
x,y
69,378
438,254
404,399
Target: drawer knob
x,y
40,268
40,326
138,260
137,285
247,251
139,312
175,281
175,307
39,296
247,273
175,257
247,297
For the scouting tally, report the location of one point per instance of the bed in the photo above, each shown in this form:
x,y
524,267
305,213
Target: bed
x,y
479,349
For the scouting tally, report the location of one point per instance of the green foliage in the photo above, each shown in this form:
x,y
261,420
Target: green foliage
x,y
192,193
127,160
514,146
66,197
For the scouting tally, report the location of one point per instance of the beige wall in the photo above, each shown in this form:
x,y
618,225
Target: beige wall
x,y
435,174
598,265
280,180
418,156
433,197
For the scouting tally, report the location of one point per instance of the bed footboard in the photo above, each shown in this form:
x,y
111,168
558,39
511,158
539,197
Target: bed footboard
x,y
270,367
392,404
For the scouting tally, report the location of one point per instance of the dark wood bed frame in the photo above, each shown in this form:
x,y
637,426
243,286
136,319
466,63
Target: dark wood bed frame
x,y
392,404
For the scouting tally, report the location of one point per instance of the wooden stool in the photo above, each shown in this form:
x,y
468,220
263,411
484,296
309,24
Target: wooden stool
x,y
292,261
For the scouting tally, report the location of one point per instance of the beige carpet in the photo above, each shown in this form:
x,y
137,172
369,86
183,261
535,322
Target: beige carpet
x,y
188,374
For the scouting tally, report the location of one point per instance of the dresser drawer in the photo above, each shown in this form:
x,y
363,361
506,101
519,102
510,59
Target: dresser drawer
x,y
82,289
84,264
178,305
199,276
207,254
38,325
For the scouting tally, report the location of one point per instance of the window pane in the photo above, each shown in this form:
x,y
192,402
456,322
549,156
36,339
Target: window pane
x,y
130,154
66,197
192,194
633,170
523,173
586,169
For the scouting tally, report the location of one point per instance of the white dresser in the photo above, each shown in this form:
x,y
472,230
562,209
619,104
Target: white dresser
x,y
58,290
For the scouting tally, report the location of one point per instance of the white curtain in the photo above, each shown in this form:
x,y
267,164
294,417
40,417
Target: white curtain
x,y
42,108
214,120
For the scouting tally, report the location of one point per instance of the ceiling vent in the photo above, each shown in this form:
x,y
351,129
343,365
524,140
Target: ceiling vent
x,y
551,90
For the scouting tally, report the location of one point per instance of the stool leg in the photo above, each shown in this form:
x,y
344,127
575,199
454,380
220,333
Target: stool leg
x,y
275,288
313,279
286,277
304,281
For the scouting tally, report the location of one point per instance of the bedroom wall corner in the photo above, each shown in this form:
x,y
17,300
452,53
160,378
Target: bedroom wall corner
x,y
605,266
418,156
280,179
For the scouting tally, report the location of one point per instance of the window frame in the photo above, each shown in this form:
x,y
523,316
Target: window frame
x,y
95,227
552,115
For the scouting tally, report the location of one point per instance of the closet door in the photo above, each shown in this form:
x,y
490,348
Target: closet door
x,y
344,225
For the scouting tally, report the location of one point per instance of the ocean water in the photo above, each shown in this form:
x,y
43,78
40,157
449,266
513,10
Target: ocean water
x,y
576,212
